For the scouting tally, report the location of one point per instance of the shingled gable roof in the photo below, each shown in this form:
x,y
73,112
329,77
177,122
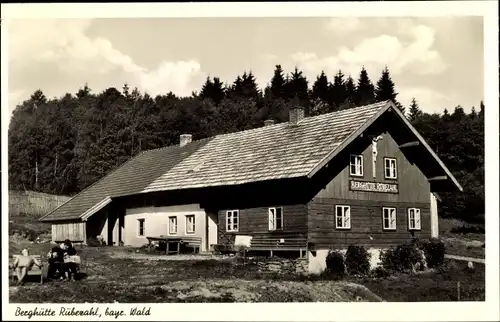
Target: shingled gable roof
x,y
128,179
271,152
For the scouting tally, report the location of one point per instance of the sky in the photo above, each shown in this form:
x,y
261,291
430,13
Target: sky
x,y
439,61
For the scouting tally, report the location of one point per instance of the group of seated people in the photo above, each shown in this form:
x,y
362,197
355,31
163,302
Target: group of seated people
x,y
63,263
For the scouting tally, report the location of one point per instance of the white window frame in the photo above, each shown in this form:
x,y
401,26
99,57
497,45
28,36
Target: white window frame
x,y
230,224
188,231
393,174
143,221
392,219
415,218
357,166
170,225
345,216
273,218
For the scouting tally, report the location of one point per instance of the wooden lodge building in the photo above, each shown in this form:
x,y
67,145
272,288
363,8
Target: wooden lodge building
x,y
358,176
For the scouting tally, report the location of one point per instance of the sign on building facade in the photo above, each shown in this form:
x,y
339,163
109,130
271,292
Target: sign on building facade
x,y
369,186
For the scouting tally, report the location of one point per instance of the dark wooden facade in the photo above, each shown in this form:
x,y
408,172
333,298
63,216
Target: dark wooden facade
x,y
254,221
330,186
366,207
309,203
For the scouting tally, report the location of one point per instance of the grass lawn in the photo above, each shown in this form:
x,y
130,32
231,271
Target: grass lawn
x,y
440,285
116,274
123,275
461,238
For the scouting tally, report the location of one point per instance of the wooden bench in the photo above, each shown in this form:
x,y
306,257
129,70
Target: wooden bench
x,y
271,244
34,271
192,242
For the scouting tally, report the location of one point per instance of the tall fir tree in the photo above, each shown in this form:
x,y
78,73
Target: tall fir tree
x,y
365,91
213,90
277,86
298,90
320,89
249,86
339,91
350,94
385,89
414,112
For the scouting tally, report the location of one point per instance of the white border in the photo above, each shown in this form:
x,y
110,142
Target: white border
x,y
297,311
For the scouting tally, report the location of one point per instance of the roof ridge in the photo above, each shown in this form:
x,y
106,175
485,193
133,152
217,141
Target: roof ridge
x,y
381,103
273,125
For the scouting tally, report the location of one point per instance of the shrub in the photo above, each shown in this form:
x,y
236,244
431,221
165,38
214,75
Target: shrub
x,y
380,272
357,260
402,258
434,251
335,263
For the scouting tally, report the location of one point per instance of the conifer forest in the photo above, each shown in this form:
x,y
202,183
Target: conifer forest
x,y
62,145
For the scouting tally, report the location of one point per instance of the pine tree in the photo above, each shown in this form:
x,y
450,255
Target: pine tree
x,y
249,86
320,89
365,91
473,113
298,88
350,94
339,89
385,87
213,90
126,90
278,83
414,113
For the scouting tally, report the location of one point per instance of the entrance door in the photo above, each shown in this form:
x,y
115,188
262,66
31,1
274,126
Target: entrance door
x,y
212,220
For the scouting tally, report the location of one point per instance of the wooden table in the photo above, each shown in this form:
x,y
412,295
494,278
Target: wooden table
x,y
177,241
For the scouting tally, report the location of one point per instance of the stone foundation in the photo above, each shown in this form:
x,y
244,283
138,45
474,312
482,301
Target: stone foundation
x,y
282,265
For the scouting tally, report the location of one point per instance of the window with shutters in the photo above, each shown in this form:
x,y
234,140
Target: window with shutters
x,y
356,165
172,225
276,218
342,217
232,220
414,219
390,168
389,218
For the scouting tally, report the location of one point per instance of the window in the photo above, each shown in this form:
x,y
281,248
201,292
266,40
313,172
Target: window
x,y
389,218
232,220
172,225
390,169
356,165
141,227
190,224
342,217
414,219
275,218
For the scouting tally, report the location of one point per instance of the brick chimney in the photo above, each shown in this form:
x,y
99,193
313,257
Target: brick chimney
x,y
268,122
185,139
296,115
